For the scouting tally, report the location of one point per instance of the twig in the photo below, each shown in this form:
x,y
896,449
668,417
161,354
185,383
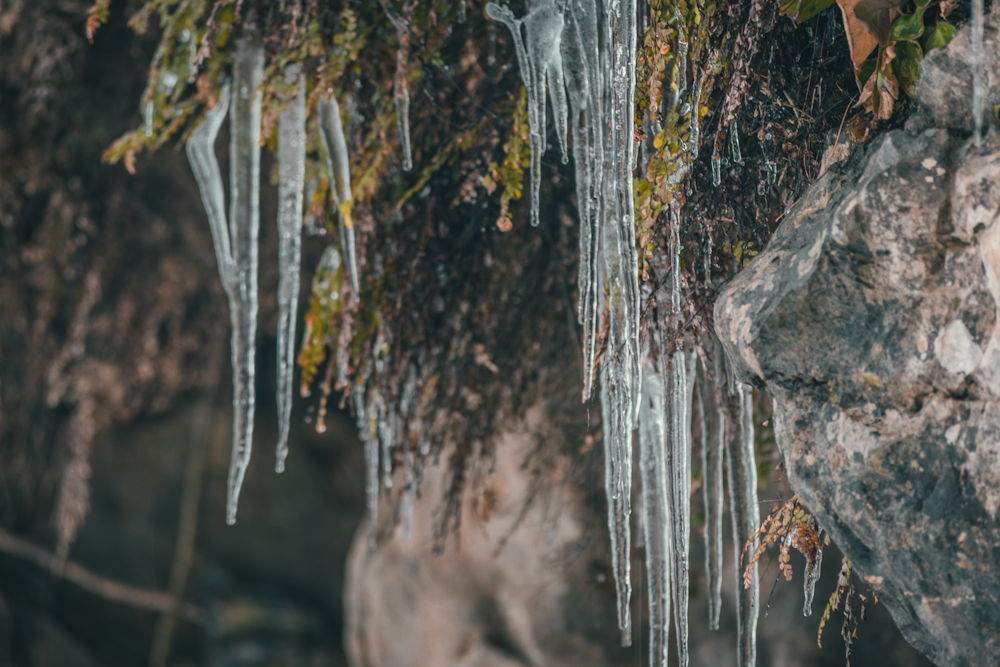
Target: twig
x,y
109,589
186,531
837,141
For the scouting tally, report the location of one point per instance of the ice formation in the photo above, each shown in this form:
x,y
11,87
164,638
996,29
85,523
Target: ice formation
x,y
236,246
809,581
291,181
978,75
618,488
656,517
581,67
734,143
712,443
400,92
539,59
331,132
746,521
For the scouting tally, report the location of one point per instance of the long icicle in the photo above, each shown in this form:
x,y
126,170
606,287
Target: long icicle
x,y
581,64
331,132
244,223
400,92
978,74
618,503
679,493
653,471
713,442
291,181
746,520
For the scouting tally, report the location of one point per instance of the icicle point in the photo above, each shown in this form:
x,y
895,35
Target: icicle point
x,y
291,180
339,168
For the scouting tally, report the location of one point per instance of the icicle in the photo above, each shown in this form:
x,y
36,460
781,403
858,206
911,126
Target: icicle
x,y
713,441
539,60
734,143
148,117
387,437
680,80
583,80
679,491
694,120
621,379
675,260
409,491
746,520
716,170
544,27
236,247
616,460
624,260
399,89
368,413
706,253
291,178
978,78
244,223
191,39
653,471
338,165
810,578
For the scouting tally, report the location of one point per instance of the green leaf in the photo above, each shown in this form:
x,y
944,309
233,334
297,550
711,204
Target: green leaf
x,y
943,33
908,27
907,65
867,69
803,10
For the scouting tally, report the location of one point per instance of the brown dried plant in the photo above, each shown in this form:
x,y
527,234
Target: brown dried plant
x,y
794,526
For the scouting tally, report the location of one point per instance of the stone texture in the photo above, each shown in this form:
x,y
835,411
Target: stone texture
x,y
528,584
872,319
945,84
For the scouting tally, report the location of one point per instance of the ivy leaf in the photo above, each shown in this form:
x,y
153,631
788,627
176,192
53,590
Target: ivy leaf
x,y
908,27
803,10
943,33
907,65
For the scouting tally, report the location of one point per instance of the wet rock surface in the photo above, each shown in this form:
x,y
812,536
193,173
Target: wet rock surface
x,y
872,319
946,75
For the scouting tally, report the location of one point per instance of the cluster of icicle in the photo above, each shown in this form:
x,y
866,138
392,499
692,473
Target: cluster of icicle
x,y
236,242
587,52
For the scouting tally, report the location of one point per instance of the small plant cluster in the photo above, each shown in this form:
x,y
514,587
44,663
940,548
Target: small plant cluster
x,y
899,32
793,526
671,103
845,592
509,174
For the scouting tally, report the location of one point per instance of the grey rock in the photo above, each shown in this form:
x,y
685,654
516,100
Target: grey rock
x,y
872,319
945,87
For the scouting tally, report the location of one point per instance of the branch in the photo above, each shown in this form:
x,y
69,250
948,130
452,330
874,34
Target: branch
x,y
108,589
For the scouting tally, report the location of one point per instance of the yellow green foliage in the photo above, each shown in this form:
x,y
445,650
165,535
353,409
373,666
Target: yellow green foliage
x,y
509,175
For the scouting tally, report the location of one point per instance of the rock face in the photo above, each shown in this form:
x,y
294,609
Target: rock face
x,y
872,319
526,585
946,77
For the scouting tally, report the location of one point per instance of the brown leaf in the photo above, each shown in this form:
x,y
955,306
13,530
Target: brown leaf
x,y
861,41
947,7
